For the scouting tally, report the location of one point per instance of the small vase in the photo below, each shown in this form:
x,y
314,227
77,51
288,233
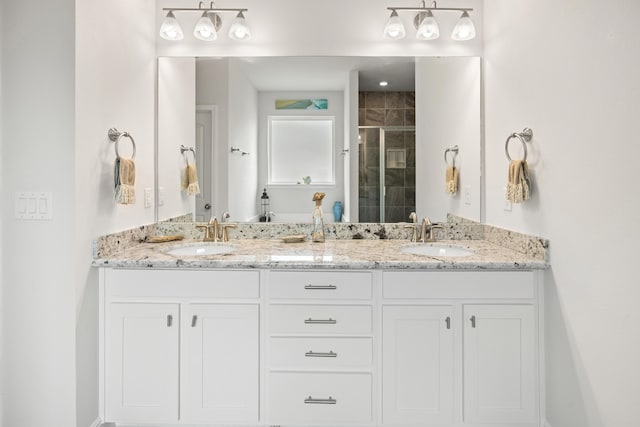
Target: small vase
x,y
337,211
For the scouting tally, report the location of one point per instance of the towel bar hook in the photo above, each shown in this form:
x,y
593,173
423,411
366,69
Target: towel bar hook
x,y
454,152
524,137
115,135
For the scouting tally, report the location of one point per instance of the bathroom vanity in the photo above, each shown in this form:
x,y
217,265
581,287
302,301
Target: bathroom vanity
x,y
345,333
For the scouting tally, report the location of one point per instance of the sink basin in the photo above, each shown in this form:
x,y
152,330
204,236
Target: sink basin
x,y
436,249
197,249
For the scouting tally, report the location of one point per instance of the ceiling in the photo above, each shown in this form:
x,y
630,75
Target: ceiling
x,y
328,73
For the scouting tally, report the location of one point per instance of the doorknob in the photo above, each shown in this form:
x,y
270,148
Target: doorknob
x,y
207,206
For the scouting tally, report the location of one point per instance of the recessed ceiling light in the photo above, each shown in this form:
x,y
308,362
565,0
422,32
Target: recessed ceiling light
x,y
384,83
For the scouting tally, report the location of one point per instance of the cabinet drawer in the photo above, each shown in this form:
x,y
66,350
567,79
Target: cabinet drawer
x,y
182,283
319,398
319,285
458,284
320,353
321,319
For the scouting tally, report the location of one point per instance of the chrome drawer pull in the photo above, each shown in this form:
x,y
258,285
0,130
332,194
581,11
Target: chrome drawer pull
x,y
329,401
328,321
321,287
312,354
194,320
169,320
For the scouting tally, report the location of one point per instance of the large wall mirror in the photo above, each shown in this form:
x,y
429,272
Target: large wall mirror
x,y
296,125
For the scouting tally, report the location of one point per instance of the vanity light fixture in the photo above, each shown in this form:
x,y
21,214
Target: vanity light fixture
x,y
207,26
426,24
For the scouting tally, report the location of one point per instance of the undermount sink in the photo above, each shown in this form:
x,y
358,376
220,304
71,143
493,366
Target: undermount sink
x,y
436,249
203,248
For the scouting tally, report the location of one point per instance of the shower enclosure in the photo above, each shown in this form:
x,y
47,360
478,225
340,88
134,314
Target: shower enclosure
x,y
387,173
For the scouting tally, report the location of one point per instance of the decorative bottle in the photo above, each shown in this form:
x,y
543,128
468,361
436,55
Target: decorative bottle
x,y
317,235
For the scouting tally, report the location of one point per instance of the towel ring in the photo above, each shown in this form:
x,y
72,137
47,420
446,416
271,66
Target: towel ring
x,y
183,149
524,137
115,135
454,152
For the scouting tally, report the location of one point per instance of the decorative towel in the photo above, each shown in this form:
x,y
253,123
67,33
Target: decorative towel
x,y
190,180
125,180
519,185
451,180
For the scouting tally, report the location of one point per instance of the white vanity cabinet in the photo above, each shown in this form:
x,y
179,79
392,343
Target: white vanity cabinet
x,y
320,348
180,347
460,348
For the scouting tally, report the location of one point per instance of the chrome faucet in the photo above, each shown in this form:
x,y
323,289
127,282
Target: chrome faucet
x,y
426,230
414,220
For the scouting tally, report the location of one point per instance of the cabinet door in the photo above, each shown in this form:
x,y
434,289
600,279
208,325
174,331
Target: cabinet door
x,y
499,364
141,362
221,381
417,365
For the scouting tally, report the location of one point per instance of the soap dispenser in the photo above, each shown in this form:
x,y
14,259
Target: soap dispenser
x,y
317,235
265,216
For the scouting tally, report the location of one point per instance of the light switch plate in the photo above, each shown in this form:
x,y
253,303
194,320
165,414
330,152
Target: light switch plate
x,y
507,204
148,197
161,196
34,205
466,194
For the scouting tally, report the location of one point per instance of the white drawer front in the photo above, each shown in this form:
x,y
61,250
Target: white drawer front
x,y
458,284
182,283
319,319
319,398
320,285
320,353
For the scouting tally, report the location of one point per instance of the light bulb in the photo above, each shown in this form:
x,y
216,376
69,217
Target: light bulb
x,y
239,30
394,29
170,28
205,29
464,29
428,28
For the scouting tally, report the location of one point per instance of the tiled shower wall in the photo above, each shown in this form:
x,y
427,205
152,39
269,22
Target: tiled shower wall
x,y
386,109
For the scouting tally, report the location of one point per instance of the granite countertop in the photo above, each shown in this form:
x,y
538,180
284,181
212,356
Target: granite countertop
x,y
332,254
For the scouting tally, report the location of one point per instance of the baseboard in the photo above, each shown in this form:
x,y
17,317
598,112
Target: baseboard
x,y
96,423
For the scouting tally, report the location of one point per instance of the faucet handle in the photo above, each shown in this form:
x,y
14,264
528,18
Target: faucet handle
x,y
413,217
208,235
225,232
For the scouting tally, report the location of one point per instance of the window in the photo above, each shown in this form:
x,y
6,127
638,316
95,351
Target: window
x,y
299,147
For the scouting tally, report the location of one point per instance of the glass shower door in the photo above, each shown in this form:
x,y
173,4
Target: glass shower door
x,y
386,173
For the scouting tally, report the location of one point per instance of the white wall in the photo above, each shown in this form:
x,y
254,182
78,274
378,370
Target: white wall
x,y
2,25
288,199
39,270
115,87
243,134
569,70
448,108
176,127
212,78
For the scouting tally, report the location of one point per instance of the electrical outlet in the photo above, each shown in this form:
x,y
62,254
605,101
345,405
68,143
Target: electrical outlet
x,y
507,204
148,197
161,196
466,194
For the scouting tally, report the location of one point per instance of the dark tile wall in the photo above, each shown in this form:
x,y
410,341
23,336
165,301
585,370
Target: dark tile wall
x,y
386,109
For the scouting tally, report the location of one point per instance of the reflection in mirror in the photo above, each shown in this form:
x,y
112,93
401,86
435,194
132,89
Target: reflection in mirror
x,y
387,142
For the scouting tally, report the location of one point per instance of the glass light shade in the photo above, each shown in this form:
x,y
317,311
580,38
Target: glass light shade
x,y
170,28
428,28
239,30
464,29
205,29
395,28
